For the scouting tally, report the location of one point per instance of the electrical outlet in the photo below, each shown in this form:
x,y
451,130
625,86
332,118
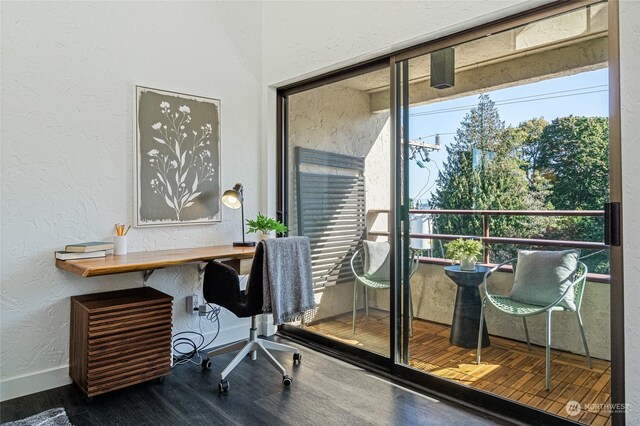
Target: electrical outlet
x,y
193,302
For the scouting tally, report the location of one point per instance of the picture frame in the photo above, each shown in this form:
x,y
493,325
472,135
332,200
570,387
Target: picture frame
x,y
177,159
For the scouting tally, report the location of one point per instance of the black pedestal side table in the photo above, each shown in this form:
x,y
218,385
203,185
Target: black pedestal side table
x,y
466,314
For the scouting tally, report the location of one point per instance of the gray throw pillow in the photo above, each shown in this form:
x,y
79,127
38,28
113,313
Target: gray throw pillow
x,y
376,260
543,276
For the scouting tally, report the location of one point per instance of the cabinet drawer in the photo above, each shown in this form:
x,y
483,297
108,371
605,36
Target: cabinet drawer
x,y
99,320
119,338
125,368
123,327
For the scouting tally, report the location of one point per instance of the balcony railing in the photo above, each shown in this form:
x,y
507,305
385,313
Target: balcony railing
x,y
487,239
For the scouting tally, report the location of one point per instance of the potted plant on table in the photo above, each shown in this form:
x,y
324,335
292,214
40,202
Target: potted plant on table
x,y
466,251
264,225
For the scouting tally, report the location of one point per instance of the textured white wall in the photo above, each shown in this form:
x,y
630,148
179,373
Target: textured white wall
x,y
337,119
630,115
348,31
68,76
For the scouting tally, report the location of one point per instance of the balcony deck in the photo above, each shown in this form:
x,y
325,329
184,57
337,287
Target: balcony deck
x,y
508,369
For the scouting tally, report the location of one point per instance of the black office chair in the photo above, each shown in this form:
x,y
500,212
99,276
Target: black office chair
x,y
221,286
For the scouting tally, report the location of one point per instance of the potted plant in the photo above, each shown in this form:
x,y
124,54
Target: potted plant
x,y
264,225
466,251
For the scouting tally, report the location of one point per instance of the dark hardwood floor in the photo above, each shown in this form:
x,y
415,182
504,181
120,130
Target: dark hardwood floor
x,y
324,392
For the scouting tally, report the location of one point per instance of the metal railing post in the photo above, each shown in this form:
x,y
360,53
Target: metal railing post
x,y
485,234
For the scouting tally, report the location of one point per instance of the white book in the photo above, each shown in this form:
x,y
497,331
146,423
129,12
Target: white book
x,y
63,255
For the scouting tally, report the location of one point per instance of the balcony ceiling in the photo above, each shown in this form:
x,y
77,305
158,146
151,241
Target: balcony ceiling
x,y
561,45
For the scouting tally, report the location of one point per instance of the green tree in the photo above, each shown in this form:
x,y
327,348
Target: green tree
x,y
574,157
526,140
483,171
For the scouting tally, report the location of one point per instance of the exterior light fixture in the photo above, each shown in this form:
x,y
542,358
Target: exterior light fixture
x,y
443,64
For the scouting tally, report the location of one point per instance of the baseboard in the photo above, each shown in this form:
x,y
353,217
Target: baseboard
x,y
36,382
39,381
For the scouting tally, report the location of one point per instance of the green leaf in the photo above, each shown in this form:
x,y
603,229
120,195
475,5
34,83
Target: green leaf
x,y
265,225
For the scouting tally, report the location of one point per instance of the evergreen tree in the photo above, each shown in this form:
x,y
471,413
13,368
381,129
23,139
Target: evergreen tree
x,y
561,165
483,171
526,140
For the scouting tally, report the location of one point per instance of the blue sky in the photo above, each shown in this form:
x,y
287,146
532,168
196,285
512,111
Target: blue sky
x,y
584,94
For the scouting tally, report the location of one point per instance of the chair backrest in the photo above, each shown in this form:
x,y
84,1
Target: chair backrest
x,y
221,285
330,195
357,261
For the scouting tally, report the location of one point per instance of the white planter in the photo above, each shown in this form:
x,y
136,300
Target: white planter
x,y
468,264
262,236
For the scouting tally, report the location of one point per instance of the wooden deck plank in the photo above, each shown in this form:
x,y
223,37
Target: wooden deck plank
x,y
508,369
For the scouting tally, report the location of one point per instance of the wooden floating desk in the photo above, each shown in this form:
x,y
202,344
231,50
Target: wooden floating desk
x,y
148,261
120,338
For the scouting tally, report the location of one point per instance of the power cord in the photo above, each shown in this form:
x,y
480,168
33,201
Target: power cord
x,y
185,346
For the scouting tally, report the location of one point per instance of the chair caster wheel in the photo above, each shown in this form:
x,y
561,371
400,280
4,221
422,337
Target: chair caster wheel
x,y
286,381
206,364
297,358
223,386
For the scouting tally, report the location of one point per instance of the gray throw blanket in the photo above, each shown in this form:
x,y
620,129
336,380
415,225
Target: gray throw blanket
x,y
287,285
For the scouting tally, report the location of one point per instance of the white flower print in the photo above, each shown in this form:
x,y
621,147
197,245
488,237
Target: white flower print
x,y
179,161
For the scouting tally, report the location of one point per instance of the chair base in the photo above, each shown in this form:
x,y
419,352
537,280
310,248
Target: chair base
x,y
252,346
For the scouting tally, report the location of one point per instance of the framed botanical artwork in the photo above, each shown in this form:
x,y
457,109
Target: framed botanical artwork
x,y
177,159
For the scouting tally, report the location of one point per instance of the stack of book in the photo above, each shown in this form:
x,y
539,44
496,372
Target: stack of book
x,y
84,250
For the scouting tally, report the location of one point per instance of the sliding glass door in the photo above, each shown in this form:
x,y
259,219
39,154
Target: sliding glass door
x,y
503,141
338,180
498,137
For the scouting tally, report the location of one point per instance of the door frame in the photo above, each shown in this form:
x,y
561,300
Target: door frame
x,y
387,365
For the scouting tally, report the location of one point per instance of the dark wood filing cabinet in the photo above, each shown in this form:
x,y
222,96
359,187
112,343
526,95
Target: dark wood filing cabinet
x,y
119,338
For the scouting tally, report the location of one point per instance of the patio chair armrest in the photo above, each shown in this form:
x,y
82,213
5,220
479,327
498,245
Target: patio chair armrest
x,y
415,261
484,285
353,268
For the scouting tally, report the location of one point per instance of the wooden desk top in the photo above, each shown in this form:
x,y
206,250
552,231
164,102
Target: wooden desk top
x,y
149,260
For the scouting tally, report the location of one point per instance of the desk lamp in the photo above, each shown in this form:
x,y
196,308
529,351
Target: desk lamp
x,y
234,199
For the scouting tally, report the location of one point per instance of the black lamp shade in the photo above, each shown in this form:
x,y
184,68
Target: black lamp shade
x,y
234,199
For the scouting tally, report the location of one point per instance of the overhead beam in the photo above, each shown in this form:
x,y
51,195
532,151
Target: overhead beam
x,y
535,66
